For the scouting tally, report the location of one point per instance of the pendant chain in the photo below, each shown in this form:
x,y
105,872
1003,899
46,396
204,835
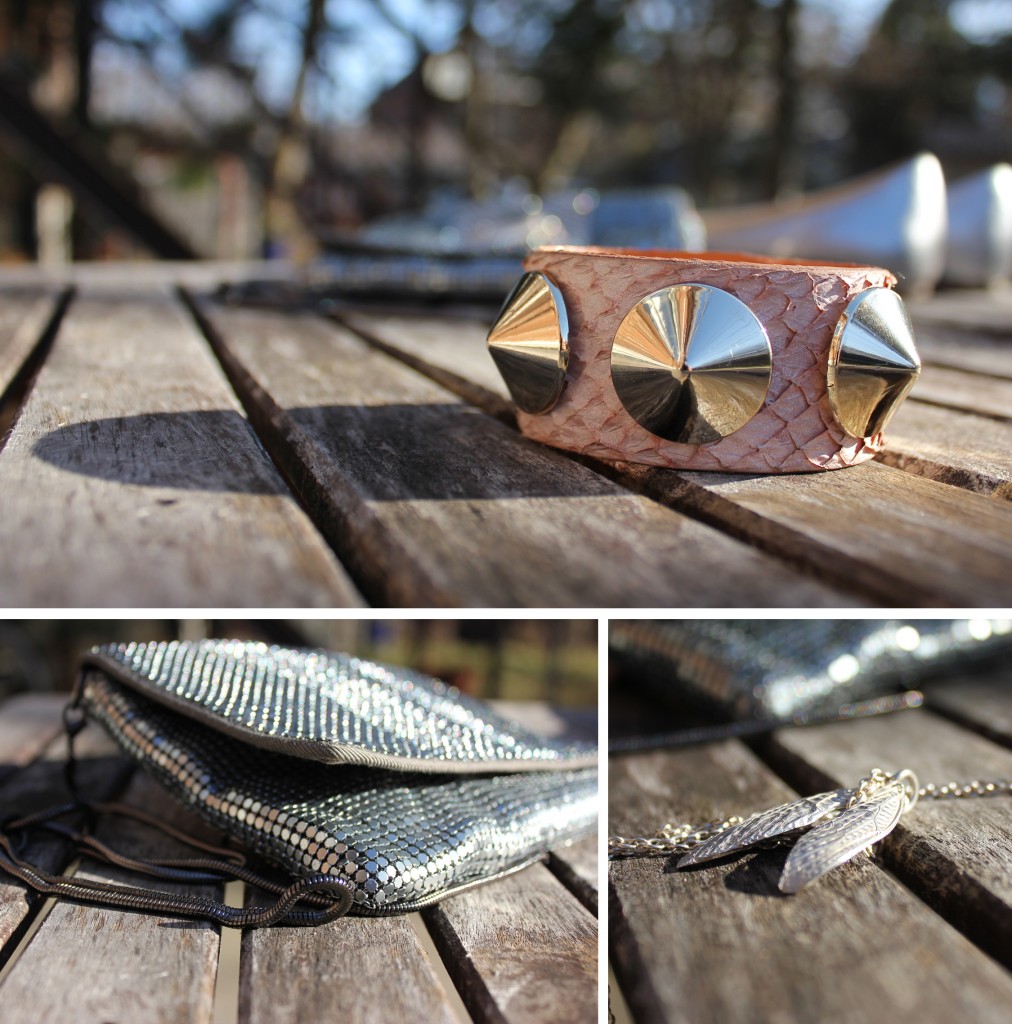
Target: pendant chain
x,y
672,839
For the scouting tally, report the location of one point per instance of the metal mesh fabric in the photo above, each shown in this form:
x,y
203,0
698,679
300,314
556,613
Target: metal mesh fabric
x,y
778,669
404,839
332,707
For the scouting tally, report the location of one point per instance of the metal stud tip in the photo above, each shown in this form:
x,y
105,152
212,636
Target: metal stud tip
x,y
873,363
691,363
530,343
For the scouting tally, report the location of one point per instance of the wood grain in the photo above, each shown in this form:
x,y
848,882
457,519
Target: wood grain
x,y
132,478
720,943
988,311
442,349
372,970
903,538
873,529
119,965
431,502
959,348
953,448
981,704
520,950
966,391
952,853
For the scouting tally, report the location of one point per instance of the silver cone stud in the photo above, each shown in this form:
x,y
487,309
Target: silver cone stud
x,y
873,363
691,363
530,343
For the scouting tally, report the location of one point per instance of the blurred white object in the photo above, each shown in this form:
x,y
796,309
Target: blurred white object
x,y
894,218
980,229
516,220
650,218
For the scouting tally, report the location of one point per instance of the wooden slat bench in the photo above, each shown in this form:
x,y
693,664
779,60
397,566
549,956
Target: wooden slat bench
x,y
167,450
522,950
921,933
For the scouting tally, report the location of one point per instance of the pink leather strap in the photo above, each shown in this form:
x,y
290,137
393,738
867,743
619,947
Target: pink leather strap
x,y
798,304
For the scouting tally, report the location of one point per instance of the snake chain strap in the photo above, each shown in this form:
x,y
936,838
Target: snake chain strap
x,y
834,826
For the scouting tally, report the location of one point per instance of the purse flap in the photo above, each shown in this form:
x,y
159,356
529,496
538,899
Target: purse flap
x,y
330,707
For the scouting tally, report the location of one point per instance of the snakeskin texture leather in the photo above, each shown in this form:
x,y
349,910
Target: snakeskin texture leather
x,y
795,431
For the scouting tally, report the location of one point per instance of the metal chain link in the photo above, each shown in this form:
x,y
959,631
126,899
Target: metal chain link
x,y
672,838
961,790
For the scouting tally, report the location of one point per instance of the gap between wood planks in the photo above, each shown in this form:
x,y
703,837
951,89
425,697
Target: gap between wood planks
x,y
373,597
618,1008
582,890
39,909
456,1003
420,552
12,399
225,1007
681,493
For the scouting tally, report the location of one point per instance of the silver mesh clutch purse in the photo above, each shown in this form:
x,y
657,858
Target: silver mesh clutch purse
x,y
326,764
780,669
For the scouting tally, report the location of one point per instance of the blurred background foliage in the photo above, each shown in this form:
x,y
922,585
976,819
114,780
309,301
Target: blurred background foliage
x,y
271,127
551,660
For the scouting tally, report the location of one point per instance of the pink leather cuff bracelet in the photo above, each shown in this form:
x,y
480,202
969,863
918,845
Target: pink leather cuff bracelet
x,y
710,361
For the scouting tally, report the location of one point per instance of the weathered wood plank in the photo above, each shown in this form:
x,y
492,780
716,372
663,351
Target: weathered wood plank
x,y
146,274
953,853
904,538
982,704
430,502
323,970
969,308
28,723
451,352
962,349
966,391
133,479
133,966
951,448
901,539
520,950
576,867
24,316
720,943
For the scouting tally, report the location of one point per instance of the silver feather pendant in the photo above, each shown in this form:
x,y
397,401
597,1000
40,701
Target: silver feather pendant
x,y
837,841
841,824
766,825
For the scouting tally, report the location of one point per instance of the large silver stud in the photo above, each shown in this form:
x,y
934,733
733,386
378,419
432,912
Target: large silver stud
x,y
873,363
691,363
530,343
